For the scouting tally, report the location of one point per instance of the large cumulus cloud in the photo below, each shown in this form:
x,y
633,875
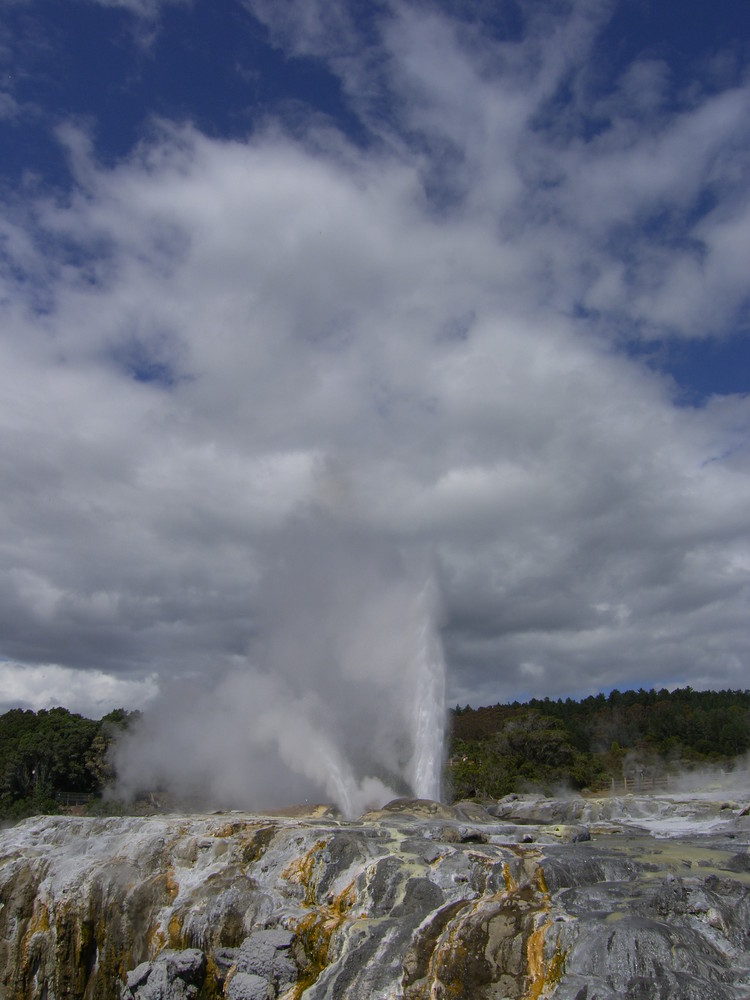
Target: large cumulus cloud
x,y
419,335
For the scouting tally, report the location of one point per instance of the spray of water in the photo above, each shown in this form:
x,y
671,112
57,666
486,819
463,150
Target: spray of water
x,y
429,701
340,698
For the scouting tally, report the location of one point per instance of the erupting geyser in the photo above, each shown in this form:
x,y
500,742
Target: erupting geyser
x,y
341,697
429,701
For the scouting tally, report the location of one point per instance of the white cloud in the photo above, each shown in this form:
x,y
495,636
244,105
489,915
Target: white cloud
x,y
215,337
90,693
309,26
8,106
147,9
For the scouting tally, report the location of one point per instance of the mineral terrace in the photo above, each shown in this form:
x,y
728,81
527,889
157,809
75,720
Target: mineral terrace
x,y
580,899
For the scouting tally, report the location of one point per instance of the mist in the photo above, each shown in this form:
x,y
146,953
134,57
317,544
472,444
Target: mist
x,y
340,698
713,779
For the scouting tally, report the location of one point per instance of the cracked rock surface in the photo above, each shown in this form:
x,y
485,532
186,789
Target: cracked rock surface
x,y
571,898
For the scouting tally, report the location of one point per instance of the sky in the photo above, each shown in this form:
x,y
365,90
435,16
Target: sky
x,y
448,295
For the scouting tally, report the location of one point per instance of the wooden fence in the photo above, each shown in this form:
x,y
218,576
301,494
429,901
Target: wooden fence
x,y
637,783
74,798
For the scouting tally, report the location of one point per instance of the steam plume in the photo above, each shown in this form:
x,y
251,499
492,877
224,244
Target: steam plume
x,y
341,695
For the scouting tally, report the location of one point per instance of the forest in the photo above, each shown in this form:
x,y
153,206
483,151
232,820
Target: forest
x,y
50,760
631,739
54,760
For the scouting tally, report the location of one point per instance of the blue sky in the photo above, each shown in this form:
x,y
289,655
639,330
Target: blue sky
x,y
467,280
229,69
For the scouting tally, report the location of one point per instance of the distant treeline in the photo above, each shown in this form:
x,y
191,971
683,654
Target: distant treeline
x,y
49,759
633,736
52,759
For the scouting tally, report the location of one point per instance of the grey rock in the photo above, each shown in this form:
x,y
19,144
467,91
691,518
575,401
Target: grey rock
x,y
423,848
471,812
421,895
138,976
739,863
246,986
651,960
274,937
224,959
342,851
257,958
266,954
188,965
471,835
285,971
161,986
572,833
173,975
386,906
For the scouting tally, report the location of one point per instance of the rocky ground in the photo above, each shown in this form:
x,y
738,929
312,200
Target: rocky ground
x,y
580,899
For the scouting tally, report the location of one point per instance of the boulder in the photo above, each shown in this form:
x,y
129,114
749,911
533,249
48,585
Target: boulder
x,y
267,954
246,986
173,975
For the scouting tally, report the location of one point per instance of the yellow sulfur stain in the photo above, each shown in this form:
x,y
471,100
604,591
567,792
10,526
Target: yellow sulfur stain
x,y
543,975
156,939
174,930
510,882
444,976
541,881
227,829
315,931
171,885
211,988
535,962
525,912
39,922
300,871
254,843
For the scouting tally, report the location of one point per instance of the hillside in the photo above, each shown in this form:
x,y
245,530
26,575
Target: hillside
x,y
635,739
48,758
638,737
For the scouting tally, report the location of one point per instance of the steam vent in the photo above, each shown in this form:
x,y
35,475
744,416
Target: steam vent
x,y
580,899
